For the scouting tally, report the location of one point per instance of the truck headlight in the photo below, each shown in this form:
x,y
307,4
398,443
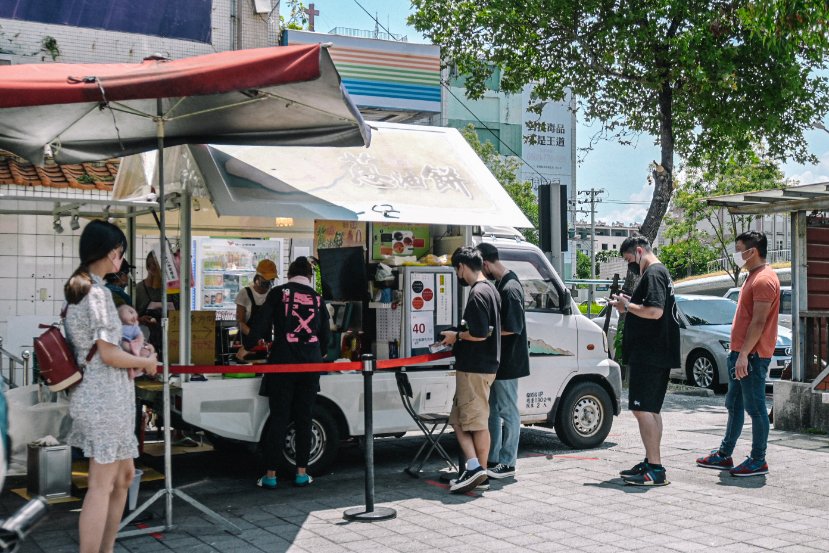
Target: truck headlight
x,y
726,345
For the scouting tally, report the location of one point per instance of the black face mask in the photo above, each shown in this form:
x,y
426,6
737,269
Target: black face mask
x,y
462,283
633,267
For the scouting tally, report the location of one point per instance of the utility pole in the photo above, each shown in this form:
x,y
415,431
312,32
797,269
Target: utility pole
x,y
592,199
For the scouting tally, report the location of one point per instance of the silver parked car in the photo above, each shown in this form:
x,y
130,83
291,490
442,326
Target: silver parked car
x,y
705,331
784,314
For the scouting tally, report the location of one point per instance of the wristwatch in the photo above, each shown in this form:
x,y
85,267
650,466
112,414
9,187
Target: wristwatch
x,y
458,336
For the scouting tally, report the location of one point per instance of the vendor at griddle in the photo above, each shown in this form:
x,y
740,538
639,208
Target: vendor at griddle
x,y
250,299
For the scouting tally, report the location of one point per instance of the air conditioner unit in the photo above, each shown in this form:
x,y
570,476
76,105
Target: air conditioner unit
x,y
262,6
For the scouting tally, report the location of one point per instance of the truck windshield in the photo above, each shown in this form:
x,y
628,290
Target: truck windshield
x,y
540,292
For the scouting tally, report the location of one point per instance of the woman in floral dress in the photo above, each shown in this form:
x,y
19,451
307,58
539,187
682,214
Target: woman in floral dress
x,y
102,405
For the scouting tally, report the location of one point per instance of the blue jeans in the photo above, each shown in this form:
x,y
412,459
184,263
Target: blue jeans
x,y
503,410
747,396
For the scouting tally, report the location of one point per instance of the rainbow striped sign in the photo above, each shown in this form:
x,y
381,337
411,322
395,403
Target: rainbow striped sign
x,y
383,74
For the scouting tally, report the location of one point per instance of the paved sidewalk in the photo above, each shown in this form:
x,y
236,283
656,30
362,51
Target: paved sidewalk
x,y
561,500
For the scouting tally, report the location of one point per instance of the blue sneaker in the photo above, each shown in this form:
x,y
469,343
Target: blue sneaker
x,y
267,482
750,467
651,476
302,480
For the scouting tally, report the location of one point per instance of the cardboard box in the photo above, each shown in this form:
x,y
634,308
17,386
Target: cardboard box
x,y
202,337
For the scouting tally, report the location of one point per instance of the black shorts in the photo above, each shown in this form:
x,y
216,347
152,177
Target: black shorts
x,y
647,388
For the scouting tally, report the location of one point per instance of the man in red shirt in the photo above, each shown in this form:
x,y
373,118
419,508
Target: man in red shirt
x,y
753,337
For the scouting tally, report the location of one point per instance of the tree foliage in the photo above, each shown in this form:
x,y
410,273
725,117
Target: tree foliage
x,y
582,265
684,258
297,16
702,77
709,176
506,171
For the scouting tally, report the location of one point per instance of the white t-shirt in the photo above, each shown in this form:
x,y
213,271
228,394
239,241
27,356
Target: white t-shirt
x,y
244,300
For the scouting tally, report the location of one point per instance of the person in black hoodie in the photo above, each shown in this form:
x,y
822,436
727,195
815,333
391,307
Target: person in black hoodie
x,y
299,320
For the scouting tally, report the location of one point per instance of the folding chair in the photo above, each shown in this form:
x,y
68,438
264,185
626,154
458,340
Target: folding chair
x,y
433,426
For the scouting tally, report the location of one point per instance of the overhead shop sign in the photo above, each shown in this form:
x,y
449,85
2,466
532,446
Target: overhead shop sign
x,y
181,19
382,74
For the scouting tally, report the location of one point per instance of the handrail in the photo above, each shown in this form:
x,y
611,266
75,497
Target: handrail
x,y
814,313
772,256
14,360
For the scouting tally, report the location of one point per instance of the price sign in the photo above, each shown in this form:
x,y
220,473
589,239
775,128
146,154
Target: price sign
x,y
422,331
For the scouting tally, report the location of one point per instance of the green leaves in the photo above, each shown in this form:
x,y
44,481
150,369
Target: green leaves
x,y
505,171
703,77
718,174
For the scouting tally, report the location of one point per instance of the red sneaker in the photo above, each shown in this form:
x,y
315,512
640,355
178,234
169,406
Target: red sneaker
x,y
716,460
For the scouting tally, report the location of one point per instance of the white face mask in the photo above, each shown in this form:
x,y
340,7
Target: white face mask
x,y
739,261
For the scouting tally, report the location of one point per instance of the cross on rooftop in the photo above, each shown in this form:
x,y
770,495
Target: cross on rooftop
x,y
311,12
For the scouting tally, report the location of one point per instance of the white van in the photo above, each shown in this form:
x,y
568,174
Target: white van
x,y
573,386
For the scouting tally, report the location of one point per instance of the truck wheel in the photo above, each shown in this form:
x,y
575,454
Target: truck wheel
x,y
325,442
585,417
703,371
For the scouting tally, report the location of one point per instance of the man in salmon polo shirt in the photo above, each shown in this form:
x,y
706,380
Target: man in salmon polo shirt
x,y
753,337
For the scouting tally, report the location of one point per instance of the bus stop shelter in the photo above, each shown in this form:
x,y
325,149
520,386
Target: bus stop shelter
x,y
801,401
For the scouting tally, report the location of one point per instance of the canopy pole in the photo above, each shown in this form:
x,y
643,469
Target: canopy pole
x,y
185,345
168,491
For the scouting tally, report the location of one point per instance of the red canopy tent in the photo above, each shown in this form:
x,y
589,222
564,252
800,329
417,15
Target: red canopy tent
x,y
290,96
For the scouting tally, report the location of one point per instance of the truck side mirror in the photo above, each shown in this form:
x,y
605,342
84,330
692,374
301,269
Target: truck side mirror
x,y
566,302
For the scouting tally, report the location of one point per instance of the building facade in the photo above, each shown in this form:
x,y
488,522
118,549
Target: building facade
x,y
543,142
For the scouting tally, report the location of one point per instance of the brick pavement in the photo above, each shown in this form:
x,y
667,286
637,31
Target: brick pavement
x,y
561,500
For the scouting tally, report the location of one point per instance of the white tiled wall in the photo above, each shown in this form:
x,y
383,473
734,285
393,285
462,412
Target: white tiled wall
x,y
34,264
34,261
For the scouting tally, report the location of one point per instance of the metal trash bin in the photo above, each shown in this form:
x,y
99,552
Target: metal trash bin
x,y
49,471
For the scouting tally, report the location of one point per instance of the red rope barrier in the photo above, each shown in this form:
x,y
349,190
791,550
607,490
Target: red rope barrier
x,y
307,367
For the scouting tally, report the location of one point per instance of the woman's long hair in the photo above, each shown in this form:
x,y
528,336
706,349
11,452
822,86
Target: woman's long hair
x,y
98,239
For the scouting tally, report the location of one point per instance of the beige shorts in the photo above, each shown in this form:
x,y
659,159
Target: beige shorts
x,y
470,408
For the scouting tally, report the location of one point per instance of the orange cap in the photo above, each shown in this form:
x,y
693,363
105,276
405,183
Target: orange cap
x,y
266,269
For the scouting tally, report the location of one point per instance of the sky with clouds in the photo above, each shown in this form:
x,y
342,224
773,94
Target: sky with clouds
x,y
622,171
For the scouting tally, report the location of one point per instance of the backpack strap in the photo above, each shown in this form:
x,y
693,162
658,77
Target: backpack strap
x,y
93,350
250,295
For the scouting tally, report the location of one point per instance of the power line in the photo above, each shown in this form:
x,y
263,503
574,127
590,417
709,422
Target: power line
x,y
467,108
498,136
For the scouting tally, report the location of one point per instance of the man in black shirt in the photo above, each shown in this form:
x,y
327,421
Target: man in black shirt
x,y
477,348
650,347
504,417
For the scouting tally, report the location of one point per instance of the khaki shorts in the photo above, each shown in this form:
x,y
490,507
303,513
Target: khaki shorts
x,y
470,408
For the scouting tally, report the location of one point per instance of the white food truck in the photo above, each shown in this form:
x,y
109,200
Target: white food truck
x,y
416,189
573,386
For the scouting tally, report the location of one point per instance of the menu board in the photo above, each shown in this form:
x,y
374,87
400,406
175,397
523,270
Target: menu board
x,y
338,234
226,265
399,239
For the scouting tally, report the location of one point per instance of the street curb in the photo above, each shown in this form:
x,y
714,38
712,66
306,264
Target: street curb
x,y
697,392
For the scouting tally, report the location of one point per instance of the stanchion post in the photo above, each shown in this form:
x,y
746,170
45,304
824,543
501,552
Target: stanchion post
x,y
370,513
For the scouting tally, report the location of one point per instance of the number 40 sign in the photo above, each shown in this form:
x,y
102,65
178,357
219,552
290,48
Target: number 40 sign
x,y
422,329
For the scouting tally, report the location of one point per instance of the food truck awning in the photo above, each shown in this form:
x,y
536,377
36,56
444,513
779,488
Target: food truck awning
x,y
410,173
